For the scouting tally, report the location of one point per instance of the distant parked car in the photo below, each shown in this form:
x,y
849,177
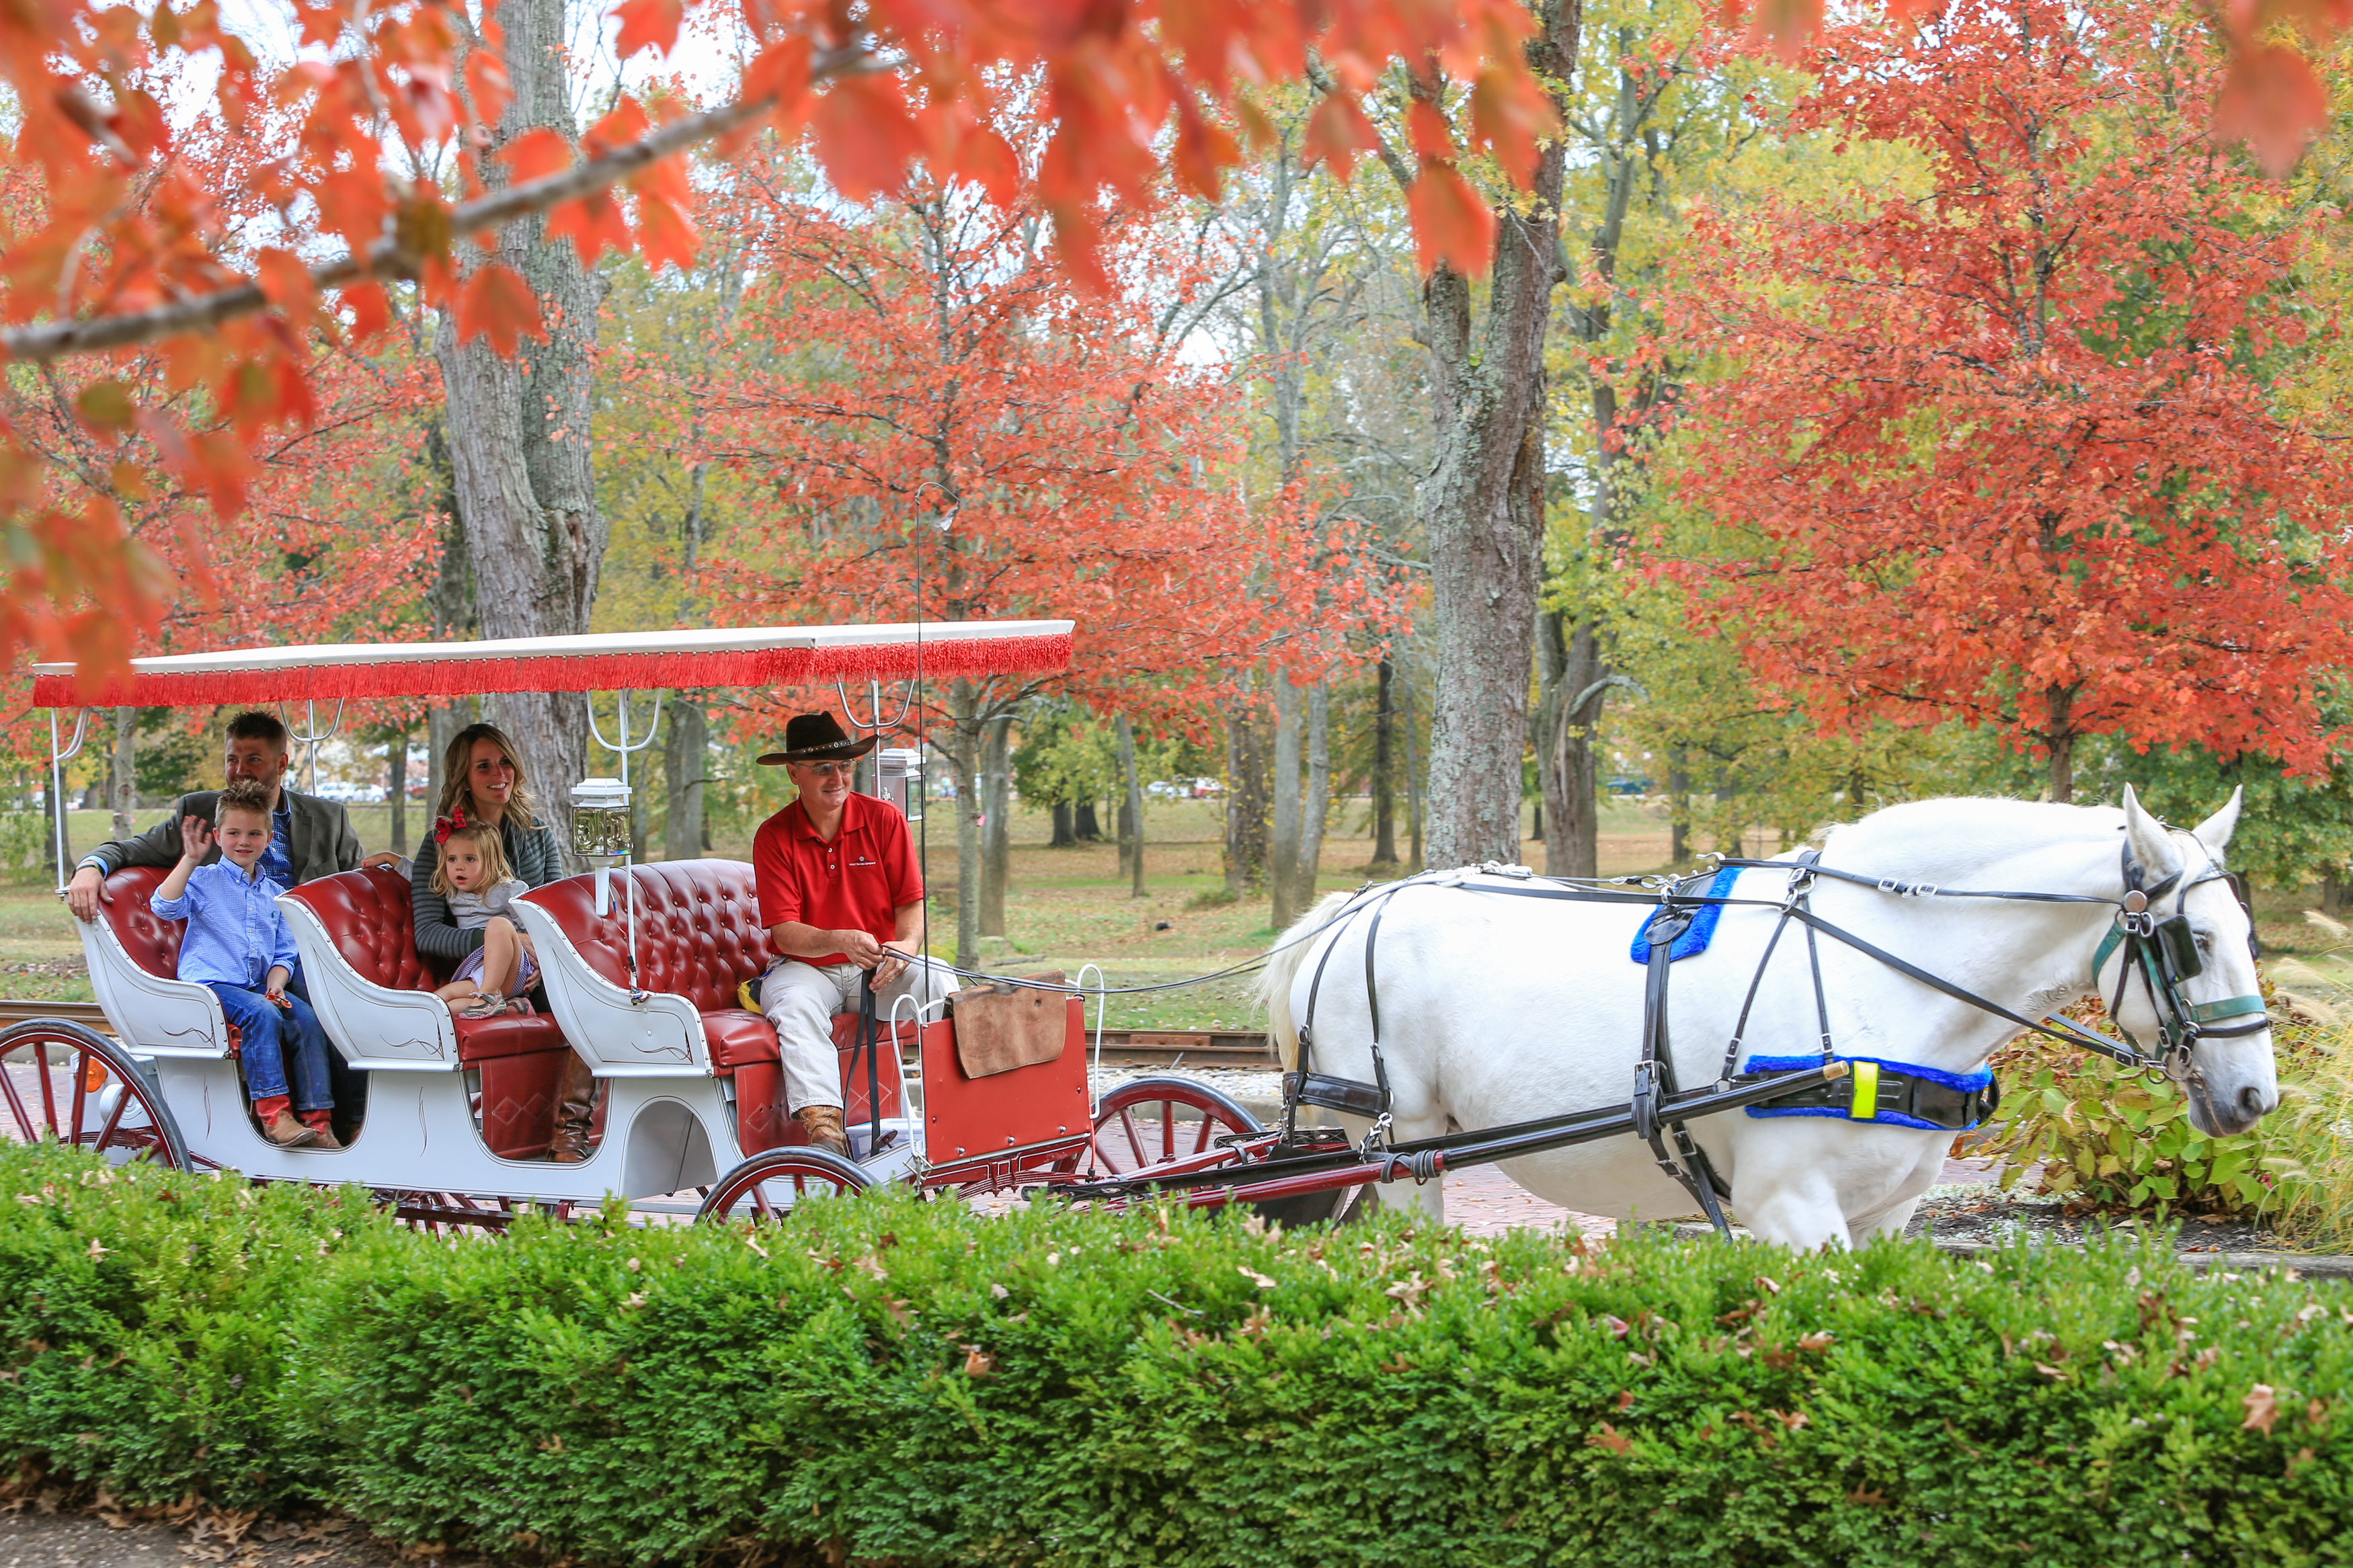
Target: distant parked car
x,y
1205,788
1628,784
1161,789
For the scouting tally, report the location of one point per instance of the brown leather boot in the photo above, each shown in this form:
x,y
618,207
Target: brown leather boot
x,y
823,1125
575,1100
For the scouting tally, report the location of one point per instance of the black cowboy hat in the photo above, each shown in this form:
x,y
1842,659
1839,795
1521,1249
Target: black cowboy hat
x,y
817,738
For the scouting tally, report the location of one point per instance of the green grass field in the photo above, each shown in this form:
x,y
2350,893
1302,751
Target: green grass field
x,y
1071,906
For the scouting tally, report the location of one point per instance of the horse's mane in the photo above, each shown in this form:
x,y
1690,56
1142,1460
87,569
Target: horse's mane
x,y
1948,841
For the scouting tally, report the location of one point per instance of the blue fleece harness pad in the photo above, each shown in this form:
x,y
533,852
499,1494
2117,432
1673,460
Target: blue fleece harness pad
x,y
1883,1071
1700,932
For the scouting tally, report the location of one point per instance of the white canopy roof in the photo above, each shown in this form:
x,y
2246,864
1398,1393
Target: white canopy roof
x,y
726,655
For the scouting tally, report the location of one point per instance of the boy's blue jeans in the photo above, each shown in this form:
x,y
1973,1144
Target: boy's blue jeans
x,y
272,1037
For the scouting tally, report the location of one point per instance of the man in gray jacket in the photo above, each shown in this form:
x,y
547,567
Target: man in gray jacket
x,y
310,838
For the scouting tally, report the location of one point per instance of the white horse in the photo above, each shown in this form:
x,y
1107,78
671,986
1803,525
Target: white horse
x,y
1502,1009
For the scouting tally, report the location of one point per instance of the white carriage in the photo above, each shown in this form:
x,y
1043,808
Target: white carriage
x,y
640,965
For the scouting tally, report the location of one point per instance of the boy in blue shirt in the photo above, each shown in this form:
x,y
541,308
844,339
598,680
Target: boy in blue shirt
x,y
237,944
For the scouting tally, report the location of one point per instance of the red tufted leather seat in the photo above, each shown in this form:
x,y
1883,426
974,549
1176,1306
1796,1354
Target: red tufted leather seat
x,y
700,936
152,941
367,915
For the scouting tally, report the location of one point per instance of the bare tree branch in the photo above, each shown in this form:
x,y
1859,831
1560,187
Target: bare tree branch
x,y
389,258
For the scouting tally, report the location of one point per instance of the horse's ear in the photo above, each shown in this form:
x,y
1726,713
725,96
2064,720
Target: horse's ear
x,y
2215,831
2152,851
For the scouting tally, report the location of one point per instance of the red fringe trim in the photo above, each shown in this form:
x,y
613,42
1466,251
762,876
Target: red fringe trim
x,y
637,672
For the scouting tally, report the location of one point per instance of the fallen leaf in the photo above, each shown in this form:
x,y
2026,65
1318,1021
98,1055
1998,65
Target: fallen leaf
x,y
1263,1282
977,1362
2261,1405
1609,1438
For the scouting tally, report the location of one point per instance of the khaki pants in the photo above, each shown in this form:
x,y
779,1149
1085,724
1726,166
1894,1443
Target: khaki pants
x,y
800,999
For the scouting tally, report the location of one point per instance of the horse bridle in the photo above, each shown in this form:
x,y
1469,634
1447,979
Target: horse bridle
x,y
2163,951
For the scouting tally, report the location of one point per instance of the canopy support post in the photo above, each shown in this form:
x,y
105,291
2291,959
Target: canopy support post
x,y
57,760
870,767
311,736
621,749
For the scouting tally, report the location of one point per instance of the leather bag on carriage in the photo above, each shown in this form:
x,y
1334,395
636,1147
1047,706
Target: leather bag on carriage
x,y
1001,1026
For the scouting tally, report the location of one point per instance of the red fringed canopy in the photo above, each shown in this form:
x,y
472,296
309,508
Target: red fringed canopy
x,y
640,661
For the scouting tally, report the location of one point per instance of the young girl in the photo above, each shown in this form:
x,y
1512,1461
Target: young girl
x,y
473,877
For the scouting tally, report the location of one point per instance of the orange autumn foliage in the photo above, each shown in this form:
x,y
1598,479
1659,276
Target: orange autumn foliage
x,y
2001,449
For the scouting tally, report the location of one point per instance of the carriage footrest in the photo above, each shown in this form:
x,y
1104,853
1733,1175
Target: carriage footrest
x,y
1333,1093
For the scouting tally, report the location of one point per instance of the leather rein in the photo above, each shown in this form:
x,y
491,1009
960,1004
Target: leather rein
x,y
2160,948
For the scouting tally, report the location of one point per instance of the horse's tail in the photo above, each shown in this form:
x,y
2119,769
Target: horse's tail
x,y
1274,982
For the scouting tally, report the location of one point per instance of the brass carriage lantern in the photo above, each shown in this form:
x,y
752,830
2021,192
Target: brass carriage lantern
x,y
600,830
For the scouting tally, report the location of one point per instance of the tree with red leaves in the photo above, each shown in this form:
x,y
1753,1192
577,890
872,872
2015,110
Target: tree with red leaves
x,y
2000,448
937,421
129,245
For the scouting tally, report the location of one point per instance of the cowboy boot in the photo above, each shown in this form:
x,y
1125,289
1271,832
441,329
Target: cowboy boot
x,y
575,1100
823,1125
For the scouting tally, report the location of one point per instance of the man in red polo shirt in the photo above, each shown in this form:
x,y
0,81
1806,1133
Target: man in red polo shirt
x,y
842,896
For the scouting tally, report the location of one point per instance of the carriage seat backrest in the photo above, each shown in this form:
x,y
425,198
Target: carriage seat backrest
x,y
367,915
698,930
152,942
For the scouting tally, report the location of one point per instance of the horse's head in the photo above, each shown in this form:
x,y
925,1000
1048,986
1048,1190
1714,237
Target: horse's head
x,y
2232,1081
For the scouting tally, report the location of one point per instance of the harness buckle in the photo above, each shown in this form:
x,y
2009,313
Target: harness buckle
x,y
1644,1101
1377,1139
1890,884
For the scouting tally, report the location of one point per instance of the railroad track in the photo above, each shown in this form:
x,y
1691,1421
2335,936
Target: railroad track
x,y
1142,1047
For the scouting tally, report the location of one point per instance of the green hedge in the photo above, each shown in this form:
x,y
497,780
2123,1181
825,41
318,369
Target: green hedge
x,y
906,1383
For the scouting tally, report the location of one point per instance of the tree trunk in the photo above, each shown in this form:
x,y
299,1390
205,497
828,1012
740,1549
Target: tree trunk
x,y
1678,807
997,831
1245,804
1485,540
1065,835
519,434
1412,791
395,784
123,773
1317,815
2060,738
1282,842
1730,829
1087,830
686,759
2332,893
1572,684
966,758
1384,781
1134,809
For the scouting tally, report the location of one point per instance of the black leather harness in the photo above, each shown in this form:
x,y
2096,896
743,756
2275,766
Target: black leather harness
x,y
2155,948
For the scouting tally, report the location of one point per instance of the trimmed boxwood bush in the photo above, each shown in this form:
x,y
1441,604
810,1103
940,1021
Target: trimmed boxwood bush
x,y
896,1380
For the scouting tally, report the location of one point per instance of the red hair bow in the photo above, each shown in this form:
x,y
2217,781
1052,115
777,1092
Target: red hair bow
x,y
445,826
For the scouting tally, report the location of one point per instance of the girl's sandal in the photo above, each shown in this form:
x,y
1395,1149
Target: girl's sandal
x,y
521,1005
488,1004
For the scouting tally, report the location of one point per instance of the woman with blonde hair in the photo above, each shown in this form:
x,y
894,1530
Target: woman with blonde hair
x,y
483,785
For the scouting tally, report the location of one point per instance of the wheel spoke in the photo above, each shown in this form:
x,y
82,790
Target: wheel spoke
x,y
80,1090
1201,1138
1134,1140
113,1120
16,1102
49,1090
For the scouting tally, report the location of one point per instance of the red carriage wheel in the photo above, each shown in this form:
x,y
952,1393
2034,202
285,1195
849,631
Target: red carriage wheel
x,y
67,1084
1151,1120
770,1185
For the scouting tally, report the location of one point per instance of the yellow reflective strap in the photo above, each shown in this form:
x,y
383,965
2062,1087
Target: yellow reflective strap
x,y
1865,1105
